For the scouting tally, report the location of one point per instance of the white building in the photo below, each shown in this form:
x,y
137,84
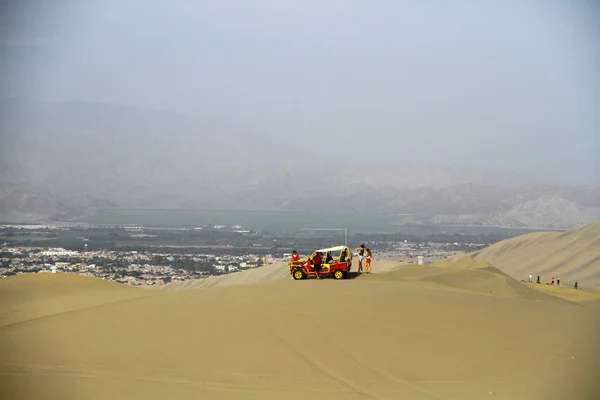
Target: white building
x,y
420,260
59,252
62,264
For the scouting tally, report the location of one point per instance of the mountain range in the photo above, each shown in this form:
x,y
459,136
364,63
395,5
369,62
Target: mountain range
x,y
63,160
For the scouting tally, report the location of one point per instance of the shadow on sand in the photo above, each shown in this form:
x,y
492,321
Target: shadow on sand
x,y
351,275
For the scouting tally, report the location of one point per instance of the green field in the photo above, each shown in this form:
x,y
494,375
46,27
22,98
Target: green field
x,y
279,221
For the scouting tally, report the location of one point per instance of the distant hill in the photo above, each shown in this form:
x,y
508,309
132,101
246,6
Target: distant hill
x,y
571,256
61,159
20,204
536,206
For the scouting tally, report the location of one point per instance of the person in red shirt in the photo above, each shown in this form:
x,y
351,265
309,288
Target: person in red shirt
x,y
316,261
295,257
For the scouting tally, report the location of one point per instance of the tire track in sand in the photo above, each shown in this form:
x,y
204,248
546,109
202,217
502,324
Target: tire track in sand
x,y
314,361
228,382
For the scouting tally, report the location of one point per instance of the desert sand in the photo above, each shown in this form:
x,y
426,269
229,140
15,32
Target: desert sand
x,y
463,329
571,256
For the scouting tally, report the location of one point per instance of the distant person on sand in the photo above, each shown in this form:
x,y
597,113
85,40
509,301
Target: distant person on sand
x,y
530,277
557,281
538,279
316,261
360,253
575,285
552,283
368,261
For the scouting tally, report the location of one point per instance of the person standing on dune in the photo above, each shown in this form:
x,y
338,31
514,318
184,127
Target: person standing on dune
x,y
360,253
368,261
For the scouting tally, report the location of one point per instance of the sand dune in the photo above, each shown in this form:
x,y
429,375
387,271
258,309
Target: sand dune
x,y
460,329
571,256
465,273
30,296
428,333
262,274
480,277
255,275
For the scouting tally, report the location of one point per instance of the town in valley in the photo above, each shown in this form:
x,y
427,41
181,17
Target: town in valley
x,y
138,255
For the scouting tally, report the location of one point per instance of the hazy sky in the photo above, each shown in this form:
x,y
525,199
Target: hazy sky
x,y
497,83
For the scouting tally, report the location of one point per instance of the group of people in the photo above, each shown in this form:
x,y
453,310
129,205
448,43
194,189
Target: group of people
x,y
362,253
551,282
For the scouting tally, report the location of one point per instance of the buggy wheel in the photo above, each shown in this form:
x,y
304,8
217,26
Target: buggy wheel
x,y
298,274
339,274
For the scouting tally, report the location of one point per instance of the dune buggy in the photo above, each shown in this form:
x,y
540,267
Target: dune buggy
x,y
336,261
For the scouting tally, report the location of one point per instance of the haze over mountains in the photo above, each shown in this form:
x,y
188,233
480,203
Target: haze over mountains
x,y
399,108
61,160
